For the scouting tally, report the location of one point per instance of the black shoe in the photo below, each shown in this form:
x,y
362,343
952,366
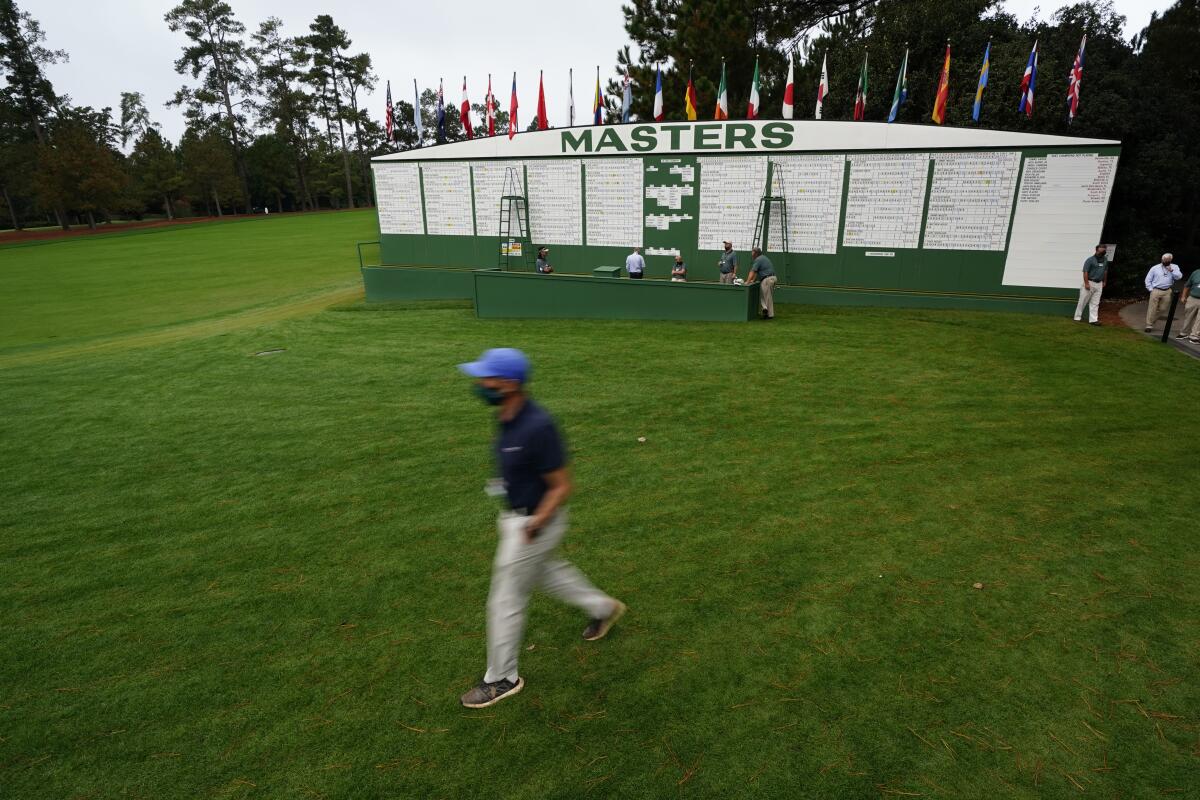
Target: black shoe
x,y
598,627
488,694
1097,324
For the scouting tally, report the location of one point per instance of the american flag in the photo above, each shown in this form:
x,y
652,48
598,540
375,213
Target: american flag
x,y
1073,82
389,120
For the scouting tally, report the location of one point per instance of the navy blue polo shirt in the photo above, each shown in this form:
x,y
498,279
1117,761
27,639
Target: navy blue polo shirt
x,y
527,447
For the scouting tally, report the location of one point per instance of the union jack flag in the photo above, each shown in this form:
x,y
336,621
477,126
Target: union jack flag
x,y
1073,82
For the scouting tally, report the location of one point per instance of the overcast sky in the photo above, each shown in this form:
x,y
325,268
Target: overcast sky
x,y
124,45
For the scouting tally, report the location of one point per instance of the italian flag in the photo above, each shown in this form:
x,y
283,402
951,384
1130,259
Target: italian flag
x,y
722,111
860,98
752,106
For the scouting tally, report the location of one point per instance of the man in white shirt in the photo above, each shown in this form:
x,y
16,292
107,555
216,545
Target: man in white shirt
x,y
635,265
1159,281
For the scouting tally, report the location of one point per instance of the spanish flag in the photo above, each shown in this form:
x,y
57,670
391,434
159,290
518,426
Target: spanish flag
x,y
943,91
689,99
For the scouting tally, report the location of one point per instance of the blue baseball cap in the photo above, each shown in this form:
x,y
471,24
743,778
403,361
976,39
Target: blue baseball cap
x,y
499,362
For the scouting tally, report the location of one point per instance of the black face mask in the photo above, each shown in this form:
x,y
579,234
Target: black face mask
x,y
493,397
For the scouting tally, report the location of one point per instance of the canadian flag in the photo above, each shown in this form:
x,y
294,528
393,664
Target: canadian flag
x,y
464,112
788,92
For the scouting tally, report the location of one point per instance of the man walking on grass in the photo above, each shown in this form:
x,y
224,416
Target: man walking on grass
x,y
1095,276
1159,281
537,481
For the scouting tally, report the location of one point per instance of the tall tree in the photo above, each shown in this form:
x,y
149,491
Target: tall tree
x,y
208,168
154,167
357,74
23,59
217,58
79,171
283,106
135,119
329,43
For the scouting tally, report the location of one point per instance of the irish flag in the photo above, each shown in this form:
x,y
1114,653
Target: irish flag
x,y
722,111
752,106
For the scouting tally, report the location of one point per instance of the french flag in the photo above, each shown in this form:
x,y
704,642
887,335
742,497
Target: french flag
x,y
658,96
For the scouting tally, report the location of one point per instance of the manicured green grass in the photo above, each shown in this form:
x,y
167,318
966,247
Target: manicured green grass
x,y
264,576
77,289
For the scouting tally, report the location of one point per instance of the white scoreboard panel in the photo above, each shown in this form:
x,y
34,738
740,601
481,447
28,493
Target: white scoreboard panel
x,y
730,190
1059,217
448,198
614,202
885,200
555,201
398,195
970,200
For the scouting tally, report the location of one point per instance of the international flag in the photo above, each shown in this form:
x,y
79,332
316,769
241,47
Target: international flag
x,y
722,111
417,112
441,113
753,105
598,103
626,97
542,119
789,91
1073,82
464,112
570,98
860,96
389,119
1027,83
901,88
491,108
512,110
822,87
943,91
658,95
983,78
689,97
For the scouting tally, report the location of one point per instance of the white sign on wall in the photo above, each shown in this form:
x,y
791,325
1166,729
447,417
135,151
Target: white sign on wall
x,y
448,198
1059,217
555,195
398,191
885,200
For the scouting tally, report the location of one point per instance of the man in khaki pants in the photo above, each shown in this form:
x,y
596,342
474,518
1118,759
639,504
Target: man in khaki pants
x,y
762,270
1191,313
1095,275
1159,281
536,481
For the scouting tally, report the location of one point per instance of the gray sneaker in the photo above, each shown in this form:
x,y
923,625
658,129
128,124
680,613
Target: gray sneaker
x,y
1181,336
598,627
488,694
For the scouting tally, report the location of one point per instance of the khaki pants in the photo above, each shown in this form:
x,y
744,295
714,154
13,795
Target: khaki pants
x,y
766,292
1191,318
1160,301
519,568
1089,296
727,277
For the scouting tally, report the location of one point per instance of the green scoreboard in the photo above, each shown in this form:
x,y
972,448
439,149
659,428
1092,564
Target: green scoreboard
x,y
856,212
